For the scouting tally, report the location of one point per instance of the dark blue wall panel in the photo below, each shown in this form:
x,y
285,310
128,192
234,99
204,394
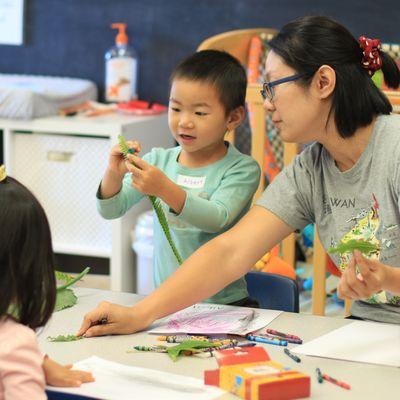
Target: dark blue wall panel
x,y
70,37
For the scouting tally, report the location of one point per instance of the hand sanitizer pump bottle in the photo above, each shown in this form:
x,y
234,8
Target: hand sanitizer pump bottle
x,y
121,69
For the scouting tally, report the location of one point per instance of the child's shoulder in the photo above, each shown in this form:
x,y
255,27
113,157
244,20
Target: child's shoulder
x,y
15,335
237,157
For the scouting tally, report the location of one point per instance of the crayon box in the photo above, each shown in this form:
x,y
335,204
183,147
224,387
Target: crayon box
x,y
250,374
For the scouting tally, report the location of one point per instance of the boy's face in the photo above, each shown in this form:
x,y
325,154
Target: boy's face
x,y
196,117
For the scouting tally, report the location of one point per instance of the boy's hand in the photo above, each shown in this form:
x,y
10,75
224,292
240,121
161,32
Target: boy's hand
x,y
146,178
116,163
63,376
110,319
371,279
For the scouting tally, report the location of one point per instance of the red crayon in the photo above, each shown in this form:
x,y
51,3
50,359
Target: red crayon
x,y
281,334
336,382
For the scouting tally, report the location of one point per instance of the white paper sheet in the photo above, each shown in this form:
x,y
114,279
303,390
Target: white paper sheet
x,y
215,319
367,342
116,381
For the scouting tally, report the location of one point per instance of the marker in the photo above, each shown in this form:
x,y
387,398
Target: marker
x,y
291,355
336,382
282,334
265,340
319,376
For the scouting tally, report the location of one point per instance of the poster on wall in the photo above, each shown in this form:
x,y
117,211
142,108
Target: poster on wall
x,y
12,22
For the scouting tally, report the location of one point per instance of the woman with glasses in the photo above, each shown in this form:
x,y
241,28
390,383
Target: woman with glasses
x,y
319,89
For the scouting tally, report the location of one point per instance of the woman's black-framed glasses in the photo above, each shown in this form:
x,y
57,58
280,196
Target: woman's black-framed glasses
x,y
267,91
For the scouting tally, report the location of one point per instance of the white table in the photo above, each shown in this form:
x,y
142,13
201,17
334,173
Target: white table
x,y
367,381
62,160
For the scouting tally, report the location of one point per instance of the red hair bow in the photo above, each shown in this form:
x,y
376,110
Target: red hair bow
x,y
372,60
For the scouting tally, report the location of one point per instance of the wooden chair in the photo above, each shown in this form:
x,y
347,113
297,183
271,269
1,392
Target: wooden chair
x,y
237,43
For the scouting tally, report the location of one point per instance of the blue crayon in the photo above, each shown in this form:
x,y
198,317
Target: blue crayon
x,y
267,341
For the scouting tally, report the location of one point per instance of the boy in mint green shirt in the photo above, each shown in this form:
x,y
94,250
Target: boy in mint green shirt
x,y
205,184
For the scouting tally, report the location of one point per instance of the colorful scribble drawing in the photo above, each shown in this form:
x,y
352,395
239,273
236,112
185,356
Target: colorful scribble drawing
x,y
210,319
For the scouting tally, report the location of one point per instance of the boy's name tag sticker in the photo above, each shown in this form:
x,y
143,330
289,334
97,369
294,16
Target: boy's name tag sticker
x,y
191,182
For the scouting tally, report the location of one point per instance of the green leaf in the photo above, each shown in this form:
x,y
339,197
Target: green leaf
x,y
71,280
347,247
176,351
63,277
62,338
65,298
157,207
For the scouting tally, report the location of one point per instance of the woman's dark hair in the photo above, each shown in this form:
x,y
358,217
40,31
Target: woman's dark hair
x,y
27,280
219,69
309,42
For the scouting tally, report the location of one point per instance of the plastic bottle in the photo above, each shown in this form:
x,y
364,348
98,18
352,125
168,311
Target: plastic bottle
x,y
121,69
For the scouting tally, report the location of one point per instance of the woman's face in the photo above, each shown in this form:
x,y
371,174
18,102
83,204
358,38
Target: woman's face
x,y
294,110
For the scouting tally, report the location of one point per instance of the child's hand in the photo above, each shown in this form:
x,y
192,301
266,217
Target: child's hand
x,y
60,375
146,178
116,163
371,279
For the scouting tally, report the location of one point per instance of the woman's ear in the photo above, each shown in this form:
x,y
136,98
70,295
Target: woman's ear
x,y
324,81
235,118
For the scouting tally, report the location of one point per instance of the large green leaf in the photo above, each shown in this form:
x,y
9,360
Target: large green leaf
x,y
65,298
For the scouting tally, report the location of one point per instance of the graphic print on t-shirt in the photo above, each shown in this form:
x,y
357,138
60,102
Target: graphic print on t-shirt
x,y
368,227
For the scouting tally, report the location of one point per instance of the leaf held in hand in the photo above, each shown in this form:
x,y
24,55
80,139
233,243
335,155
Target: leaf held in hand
x,y
348,247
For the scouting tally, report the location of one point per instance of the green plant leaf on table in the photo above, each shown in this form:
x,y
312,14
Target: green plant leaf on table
x,y
156,205
64,338
66,297
354,244
192,345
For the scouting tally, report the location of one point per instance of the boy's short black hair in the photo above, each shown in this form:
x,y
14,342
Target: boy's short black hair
x,y
27,280
221,70
309,42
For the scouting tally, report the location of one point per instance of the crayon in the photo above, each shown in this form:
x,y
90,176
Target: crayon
x,y
155,349
336,382
291,355
265,340
274,337
181,338
282,334
319,375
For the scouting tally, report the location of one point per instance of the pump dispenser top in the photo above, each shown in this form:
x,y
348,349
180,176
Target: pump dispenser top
x,y
122,38
121,68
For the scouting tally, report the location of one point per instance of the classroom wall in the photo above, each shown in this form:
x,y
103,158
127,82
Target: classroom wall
x,y
70,37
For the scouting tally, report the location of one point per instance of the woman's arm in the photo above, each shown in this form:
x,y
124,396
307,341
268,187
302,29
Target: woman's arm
x,y
212,267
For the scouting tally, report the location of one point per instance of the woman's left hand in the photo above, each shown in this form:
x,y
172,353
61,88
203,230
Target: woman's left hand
x,y
371,279
63,376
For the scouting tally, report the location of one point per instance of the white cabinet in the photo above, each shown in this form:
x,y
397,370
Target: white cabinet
x,y
62,159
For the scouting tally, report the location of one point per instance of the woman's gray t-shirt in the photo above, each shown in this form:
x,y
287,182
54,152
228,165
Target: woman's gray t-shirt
x,y
360,203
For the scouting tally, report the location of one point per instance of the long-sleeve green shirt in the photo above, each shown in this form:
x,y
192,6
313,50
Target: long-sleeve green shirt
x,y
217,196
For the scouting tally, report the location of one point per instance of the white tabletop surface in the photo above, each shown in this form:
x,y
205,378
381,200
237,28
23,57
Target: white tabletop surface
x,y
367,381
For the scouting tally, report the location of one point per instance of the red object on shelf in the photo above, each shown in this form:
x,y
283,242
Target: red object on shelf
x,y
141,107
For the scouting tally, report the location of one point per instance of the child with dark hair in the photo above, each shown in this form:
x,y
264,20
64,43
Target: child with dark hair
x,y
205,184
27,296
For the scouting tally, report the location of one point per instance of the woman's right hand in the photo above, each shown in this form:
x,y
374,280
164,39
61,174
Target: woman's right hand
x,y
111,319
116,161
